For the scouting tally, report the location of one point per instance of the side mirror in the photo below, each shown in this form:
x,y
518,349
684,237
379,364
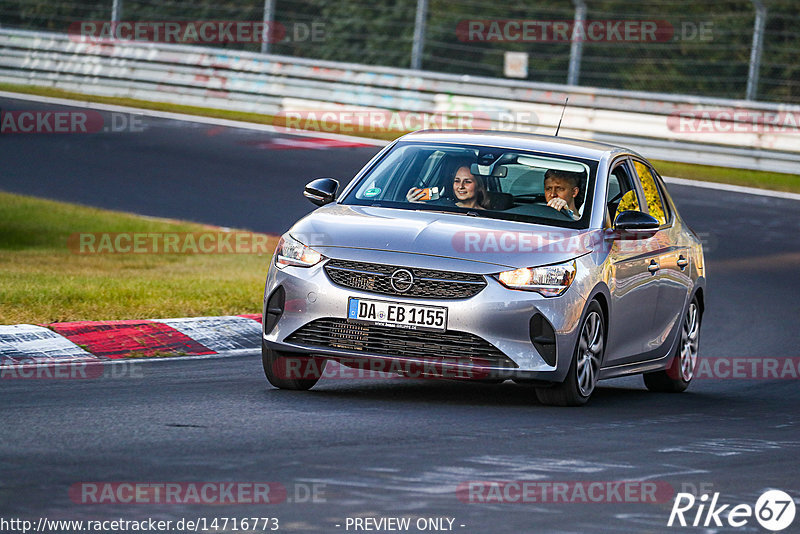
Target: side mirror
x,y
635,221
321,191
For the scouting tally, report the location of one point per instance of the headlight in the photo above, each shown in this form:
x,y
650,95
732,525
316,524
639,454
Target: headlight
x,y
292,252
549,281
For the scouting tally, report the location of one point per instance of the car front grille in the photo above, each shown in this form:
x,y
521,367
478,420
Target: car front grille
x,y
428,283
441,347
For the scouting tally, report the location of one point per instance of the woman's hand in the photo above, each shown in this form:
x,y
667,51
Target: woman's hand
x,y
415,194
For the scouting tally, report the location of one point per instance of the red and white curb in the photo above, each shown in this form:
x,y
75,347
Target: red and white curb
x,y
220,334
27,343
109,340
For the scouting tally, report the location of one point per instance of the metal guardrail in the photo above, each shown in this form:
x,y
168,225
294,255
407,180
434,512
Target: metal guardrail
x,y
270,84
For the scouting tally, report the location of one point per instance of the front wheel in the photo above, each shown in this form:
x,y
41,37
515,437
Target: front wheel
x,y
677,376
288,370
581,378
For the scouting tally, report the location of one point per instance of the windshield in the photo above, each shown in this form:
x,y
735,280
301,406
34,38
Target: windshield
x,y
481,181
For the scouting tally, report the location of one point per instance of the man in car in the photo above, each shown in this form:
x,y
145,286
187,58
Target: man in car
x,y
560,190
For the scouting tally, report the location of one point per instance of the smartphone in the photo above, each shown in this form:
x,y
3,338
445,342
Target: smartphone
x,y
430,193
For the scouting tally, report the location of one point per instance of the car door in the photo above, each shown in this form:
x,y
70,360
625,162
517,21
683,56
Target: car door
x,y
673,257
634,295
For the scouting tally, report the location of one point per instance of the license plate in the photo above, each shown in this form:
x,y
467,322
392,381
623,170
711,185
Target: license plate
x,y
397,315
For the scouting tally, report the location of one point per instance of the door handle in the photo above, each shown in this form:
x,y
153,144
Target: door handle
x,y
653,267
682,262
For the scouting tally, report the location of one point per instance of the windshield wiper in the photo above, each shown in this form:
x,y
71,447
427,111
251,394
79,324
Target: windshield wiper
x,y
437,211
453,212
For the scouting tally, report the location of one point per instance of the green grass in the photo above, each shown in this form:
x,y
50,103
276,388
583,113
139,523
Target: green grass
x,y
43,281
765,180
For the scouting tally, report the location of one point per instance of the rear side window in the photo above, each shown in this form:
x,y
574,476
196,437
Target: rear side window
x,y
651,194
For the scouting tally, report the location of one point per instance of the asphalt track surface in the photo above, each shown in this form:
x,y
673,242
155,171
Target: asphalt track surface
x,y
190,171
391,448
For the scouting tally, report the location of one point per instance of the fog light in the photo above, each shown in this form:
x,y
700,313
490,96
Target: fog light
x,y
543,337
274,309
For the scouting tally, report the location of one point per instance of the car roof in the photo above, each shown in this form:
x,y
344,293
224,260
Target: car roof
x,y
521,141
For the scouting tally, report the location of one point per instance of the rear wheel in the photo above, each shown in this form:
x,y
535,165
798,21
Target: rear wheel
x,y
676,378
288,370
581,378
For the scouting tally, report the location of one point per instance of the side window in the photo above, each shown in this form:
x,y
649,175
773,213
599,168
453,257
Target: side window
x,y
384,186
428,172
651,194
621,195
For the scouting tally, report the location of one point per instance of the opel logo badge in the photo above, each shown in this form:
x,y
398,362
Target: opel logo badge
x,y
401,280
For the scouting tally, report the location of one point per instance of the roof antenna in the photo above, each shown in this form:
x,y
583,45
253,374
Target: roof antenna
x,y
562,115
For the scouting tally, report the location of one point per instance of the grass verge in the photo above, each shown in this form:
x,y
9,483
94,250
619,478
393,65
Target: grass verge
x,y
723,175
762,179
43,281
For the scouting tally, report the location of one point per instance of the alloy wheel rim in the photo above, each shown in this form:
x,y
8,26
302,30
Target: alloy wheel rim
x,y
590,349
689,341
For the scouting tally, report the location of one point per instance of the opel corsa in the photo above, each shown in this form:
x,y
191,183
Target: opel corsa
x,y
490,256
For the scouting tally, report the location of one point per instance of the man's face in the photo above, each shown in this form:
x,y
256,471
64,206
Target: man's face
x,y
561,188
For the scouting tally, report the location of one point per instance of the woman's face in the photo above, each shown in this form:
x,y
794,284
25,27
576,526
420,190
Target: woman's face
x,y
464,185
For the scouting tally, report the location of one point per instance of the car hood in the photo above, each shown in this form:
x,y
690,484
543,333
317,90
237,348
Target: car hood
x,y
351,232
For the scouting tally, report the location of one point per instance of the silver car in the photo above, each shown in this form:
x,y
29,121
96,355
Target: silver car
x,y
455,255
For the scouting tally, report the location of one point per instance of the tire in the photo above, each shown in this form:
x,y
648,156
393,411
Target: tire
x,y
288,370
679,374
584,368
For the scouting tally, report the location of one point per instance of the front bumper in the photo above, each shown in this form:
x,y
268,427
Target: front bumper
x,y
500,316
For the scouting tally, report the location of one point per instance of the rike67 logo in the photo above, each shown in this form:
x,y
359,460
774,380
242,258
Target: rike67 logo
x,y
774,510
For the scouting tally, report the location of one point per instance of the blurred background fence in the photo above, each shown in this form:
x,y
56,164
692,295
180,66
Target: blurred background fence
x,y
725,49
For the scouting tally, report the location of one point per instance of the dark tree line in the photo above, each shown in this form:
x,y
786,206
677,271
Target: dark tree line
x,y
712,61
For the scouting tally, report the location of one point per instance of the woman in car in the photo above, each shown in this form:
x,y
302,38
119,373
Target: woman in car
x,y
468,189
